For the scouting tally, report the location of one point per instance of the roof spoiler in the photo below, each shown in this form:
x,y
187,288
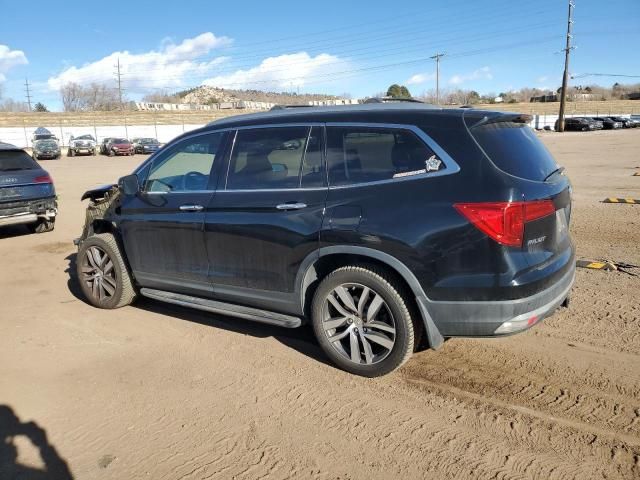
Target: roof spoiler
x,y
505,117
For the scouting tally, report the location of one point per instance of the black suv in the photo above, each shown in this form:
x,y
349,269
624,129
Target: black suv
x,y
386,226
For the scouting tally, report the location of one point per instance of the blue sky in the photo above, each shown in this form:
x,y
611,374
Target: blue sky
x,y
326,47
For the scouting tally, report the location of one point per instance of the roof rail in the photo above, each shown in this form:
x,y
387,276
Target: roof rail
x,y
284,107
391,100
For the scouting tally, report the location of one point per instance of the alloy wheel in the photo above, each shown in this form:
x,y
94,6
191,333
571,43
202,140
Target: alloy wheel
x,y
359,324
98,273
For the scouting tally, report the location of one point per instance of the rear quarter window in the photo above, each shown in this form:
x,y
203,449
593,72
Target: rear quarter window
x,y
369,154
515,149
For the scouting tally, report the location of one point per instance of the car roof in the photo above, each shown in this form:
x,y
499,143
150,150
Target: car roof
x,y
371,112
7,147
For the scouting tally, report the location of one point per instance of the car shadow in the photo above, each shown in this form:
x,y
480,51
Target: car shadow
x,y
55,467
301,339
14,231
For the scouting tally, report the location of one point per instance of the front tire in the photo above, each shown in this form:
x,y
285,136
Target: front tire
x,y
103,274
43,226
362,322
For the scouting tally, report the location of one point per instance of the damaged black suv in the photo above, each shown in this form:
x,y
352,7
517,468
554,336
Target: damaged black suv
x,y
385,226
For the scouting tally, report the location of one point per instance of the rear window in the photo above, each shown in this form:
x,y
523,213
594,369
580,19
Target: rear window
x,y
515,149
16,160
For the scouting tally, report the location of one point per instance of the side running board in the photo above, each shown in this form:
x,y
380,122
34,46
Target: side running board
x,y
222,308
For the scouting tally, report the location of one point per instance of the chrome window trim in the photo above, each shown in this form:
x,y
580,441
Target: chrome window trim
x,y
451,167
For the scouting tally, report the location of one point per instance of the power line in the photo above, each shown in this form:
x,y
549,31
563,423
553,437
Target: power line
x,y
565,75
583,75
28,92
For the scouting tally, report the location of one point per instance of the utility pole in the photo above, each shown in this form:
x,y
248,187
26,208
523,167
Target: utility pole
x,y
436,57
119,77
26,85
565,76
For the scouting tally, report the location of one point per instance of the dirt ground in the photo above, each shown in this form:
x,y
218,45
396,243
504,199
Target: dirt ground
x,y
155,391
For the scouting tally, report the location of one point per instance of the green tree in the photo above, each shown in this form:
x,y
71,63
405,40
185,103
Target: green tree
x,y
398,91
40,107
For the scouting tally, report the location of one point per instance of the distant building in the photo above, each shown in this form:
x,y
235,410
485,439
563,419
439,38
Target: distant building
x,y
632,96
498,100
551,97
238,104
335,101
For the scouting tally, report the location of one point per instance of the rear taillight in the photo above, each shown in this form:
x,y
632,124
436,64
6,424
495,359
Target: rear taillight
x,y
43,179
504,221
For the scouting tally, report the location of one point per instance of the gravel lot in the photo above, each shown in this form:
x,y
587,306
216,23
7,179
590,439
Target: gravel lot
x,y
160,392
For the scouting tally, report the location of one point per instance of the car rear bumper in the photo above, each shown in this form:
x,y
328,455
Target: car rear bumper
x,y
27,211
495,318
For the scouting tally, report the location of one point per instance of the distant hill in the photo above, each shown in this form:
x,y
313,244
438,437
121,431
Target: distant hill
x,y
205,95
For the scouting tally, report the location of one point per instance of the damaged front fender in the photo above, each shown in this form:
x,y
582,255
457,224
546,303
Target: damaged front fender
x,y
102,203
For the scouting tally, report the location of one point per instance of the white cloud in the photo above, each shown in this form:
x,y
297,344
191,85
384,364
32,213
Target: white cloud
x,y
483,73
281,72
419,78
170,66
9,59
542,79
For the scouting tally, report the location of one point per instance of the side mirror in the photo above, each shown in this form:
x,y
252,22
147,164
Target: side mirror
x,y
129,184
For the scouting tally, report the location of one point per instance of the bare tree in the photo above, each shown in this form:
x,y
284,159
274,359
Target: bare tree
x,y
71,94
94,97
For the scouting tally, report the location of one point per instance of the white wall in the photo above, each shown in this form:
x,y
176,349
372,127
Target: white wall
x,y
21,137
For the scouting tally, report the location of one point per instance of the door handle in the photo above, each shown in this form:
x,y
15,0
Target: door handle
x,y
291,206
191,208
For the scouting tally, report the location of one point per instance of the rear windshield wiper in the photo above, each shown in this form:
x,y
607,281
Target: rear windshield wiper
x,y
13,169
558,170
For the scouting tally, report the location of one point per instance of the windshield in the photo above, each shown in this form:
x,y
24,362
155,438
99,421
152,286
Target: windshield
x,y
514,148
120,140
16,160
84,137
147,141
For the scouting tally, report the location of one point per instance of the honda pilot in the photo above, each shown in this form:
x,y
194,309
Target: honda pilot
x,y
386,227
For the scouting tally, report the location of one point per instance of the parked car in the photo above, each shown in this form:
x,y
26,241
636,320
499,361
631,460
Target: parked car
x,y
48,148
145,145
626,122
579,124
27,194
42,133
81,144
607,123
103,145
367,221
119,146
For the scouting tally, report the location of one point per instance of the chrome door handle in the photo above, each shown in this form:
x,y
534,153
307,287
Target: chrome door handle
x,y
291,206
191,208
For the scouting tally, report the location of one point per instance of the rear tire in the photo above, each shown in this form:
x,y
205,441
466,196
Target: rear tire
x,y
362,321
111,153
103,274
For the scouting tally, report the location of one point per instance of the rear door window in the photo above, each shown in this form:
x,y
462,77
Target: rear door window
x,y
276,158
370,154
515,149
